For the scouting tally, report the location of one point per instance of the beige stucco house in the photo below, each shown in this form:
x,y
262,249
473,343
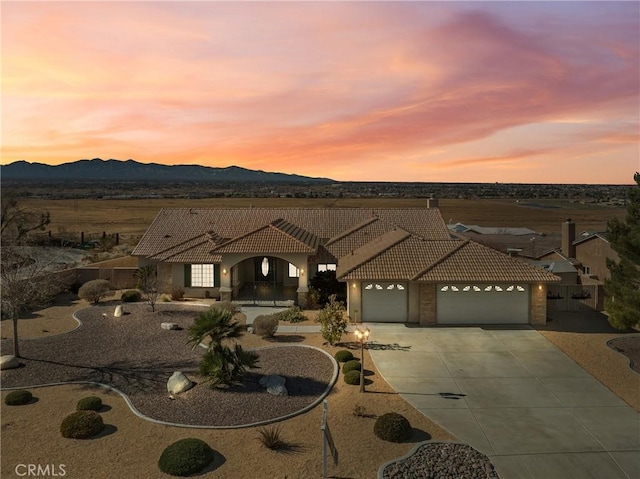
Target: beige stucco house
x,y
399,265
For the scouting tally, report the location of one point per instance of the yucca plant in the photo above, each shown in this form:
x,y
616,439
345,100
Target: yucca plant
x,y
270,437
221,366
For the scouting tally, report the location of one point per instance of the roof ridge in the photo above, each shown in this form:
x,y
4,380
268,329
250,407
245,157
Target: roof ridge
x,y
375,254
353,229
441,260
179,244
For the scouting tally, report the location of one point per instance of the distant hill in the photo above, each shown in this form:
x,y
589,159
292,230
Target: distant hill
x,y
130,170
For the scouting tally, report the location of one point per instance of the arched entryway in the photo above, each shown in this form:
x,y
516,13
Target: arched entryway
x,y
264,279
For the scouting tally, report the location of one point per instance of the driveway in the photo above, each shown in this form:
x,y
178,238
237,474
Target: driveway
x,y
515,397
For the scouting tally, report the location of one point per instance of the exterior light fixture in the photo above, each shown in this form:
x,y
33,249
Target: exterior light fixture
x,y
301,271
224,271
362,335
265,266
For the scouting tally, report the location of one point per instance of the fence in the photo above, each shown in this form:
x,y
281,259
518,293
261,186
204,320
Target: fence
x,y
575,297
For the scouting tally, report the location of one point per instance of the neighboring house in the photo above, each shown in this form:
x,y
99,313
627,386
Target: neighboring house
x,y
399,265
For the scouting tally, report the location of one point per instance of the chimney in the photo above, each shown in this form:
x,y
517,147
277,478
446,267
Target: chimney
x,y
432,202
568,237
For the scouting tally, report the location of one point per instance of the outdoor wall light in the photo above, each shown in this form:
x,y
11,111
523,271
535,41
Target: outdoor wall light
x,y
301,272
224,271
540,287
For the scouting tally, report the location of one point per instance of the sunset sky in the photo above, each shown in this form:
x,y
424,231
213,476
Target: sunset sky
x,y
523,92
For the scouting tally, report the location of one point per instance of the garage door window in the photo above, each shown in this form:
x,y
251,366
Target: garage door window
x,y
475,288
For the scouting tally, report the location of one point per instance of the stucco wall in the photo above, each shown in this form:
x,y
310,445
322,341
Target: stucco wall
x,y
594,253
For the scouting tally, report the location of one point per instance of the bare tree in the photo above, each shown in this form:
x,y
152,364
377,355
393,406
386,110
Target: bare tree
x,y
16,222
148,283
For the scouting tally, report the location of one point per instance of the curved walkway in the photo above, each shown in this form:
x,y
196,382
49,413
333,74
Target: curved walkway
x,y
514,396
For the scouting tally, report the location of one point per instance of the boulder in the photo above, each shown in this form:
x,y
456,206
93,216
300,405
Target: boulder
x,y
9,361
169,326
119,311
274,385
178,383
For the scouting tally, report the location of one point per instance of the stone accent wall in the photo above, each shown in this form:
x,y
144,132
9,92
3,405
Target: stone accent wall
x,y
538,305
427,304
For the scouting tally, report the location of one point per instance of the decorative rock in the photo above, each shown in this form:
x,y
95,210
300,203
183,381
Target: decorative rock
x,y
178,383
169,326
274,385
119,311
9,361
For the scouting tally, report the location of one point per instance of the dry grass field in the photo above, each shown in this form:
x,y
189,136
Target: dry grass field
x,y
131,217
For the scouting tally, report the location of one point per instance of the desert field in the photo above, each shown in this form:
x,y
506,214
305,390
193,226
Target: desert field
x,y
131,217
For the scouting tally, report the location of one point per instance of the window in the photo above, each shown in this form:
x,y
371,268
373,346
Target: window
x,y
586,269
200,275
293,271
326,267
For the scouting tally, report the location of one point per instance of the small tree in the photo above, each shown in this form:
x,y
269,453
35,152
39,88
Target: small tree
x,y
221,365
623,288
95,290
147,277
333,320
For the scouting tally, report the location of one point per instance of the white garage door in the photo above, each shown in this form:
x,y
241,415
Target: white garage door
x,y
483,303
384,302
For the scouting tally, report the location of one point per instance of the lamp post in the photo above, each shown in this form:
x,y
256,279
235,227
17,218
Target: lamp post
x,y
362,335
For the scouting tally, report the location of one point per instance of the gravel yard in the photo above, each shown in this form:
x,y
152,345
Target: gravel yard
x,y
133,354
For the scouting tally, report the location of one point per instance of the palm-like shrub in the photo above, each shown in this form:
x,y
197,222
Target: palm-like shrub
x,y
221,365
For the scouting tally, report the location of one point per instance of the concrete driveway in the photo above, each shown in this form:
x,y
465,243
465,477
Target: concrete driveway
x,y
514,396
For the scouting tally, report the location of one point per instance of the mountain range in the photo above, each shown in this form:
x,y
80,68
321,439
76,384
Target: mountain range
x,y
131,170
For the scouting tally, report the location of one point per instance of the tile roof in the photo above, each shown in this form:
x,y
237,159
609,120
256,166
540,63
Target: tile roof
x,y
370,250
279,236
194,250
176,225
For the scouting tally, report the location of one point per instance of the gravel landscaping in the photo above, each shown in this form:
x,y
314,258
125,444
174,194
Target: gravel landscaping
x,y
133,354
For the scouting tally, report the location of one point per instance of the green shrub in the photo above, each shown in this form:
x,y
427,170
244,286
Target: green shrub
x,y
90,403
343,356
81,425
177,293
353,365
352,377
270,437
185,457
233,308
333,320
131,296
95,290
265,325
392,427
291,315
18,398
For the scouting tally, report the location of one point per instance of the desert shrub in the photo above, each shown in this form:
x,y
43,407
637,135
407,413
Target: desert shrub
x,y
131,296
90,403
291,315
177,293
95,290
352,377
18,398
313,299
333,320
392,427
270,437
233,308
81,425
185,457
360,411
353,365
343,356
265,325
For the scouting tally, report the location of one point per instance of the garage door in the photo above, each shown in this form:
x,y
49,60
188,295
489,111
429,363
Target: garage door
x,y
483,303
384,302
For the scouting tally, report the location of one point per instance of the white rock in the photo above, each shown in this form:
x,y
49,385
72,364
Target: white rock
x,y
169,326
178,383
9,361
118,312
277,390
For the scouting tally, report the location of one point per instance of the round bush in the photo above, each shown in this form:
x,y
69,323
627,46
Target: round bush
x,y
392,427
185,457
352,377
265,325
81,425
343,356
90,403
131,296
353,365
18,398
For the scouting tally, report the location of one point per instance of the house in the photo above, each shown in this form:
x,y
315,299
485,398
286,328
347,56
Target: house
x,y
399,265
